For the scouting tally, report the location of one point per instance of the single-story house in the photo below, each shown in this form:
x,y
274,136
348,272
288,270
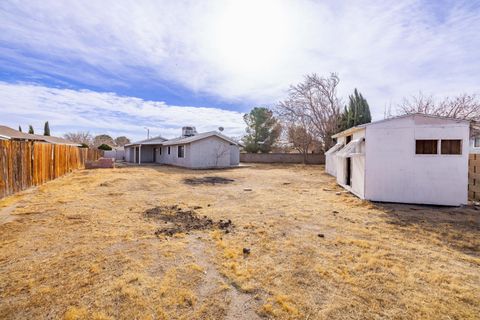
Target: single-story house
x,y
474,137
191,150
408,159
7,133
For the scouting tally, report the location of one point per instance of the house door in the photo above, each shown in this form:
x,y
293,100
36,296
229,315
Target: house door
x,y
348,175
154,155
137,155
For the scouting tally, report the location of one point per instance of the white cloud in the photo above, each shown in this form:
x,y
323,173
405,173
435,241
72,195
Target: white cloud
x,y
71,110
251,50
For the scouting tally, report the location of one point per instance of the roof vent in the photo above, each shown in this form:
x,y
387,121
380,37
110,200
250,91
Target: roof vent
x,y
188,131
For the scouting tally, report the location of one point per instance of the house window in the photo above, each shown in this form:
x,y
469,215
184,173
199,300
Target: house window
x,y
181,151
451,147
477,142
426,146
169,150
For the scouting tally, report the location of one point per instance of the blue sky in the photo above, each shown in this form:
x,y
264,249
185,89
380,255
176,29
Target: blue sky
x,y
118,66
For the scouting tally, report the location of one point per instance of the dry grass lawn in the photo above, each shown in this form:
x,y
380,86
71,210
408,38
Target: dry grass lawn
x,y
80,247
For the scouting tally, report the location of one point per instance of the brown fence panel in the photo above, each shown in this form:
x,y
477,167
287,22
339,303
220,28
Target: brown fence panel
x,y
474,177
24,164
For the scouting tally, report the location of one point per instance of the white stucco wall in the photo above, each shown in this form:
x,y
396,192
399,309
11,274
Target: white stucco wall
x,y
146,154
210,152
331,164
357,164
129,154
394,173
234,155
115,154
173,159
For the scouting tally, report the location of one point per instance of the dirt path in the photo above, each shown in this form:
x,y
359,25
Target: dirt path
x,y
5,213
241,305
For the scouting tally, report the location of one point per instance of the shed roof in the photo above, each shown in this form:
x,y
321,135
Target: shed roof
x,y
362,126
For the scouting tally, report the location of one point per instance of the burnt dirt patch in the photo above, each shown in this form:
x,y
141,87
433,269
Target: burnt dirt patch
x,y
178,220
207,180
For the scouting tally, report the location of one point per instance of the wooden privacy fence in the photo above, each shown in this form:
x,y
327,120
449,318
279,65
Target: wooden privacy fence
x,y
474,177
24,164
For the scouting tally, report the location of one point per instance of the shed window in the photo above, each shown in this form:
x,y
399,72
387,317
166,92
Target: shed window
x,y
451,146
169,150
426,146
181,151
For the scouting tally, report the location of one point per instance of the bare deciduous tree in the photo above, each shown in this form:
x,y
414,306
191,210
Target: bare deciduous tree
x,y
82,137
314,102
103,139
301,139
220,151
464,106
121,141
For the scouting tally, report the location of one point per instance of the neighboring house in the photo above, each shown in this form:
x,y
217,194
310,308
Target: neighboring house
x,y
117,153
409,159
7,133
474,137
475,144
191,150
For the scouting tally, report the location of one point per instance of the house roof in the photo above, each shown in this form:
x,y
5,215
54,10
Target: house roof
x,y
8,133
154,140
199,136
362,126
181,140
58,140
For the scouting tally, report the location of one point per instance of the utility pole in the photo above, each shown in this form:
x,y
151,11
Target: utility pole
x,y
148,132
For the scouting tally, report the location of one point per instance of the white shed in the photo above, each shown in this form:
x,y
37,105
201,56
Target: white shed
x,y
408,159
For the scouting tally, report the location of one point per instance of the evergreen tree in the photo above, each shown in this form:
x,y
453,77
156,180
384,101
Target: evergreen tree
x,y
20,128
263,130
30,129
357,113
46,129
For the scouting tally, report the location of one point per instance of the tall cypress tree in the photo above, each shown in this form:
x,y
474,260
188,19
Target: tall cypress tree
x,y
46,129
357,112
20,128
30,129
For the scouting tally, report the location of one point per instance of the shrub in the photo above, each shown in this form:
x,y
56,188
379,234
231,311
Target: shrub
x,y
104,147
84,145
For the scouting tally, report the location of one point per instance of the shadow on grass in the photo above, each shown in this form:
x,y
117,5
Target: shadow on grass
x,y
456,227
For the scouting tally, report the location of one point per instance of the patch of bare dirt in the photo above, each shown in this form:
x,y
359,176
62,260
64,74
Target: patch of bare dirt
x,y
178,220
207,180
240,305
